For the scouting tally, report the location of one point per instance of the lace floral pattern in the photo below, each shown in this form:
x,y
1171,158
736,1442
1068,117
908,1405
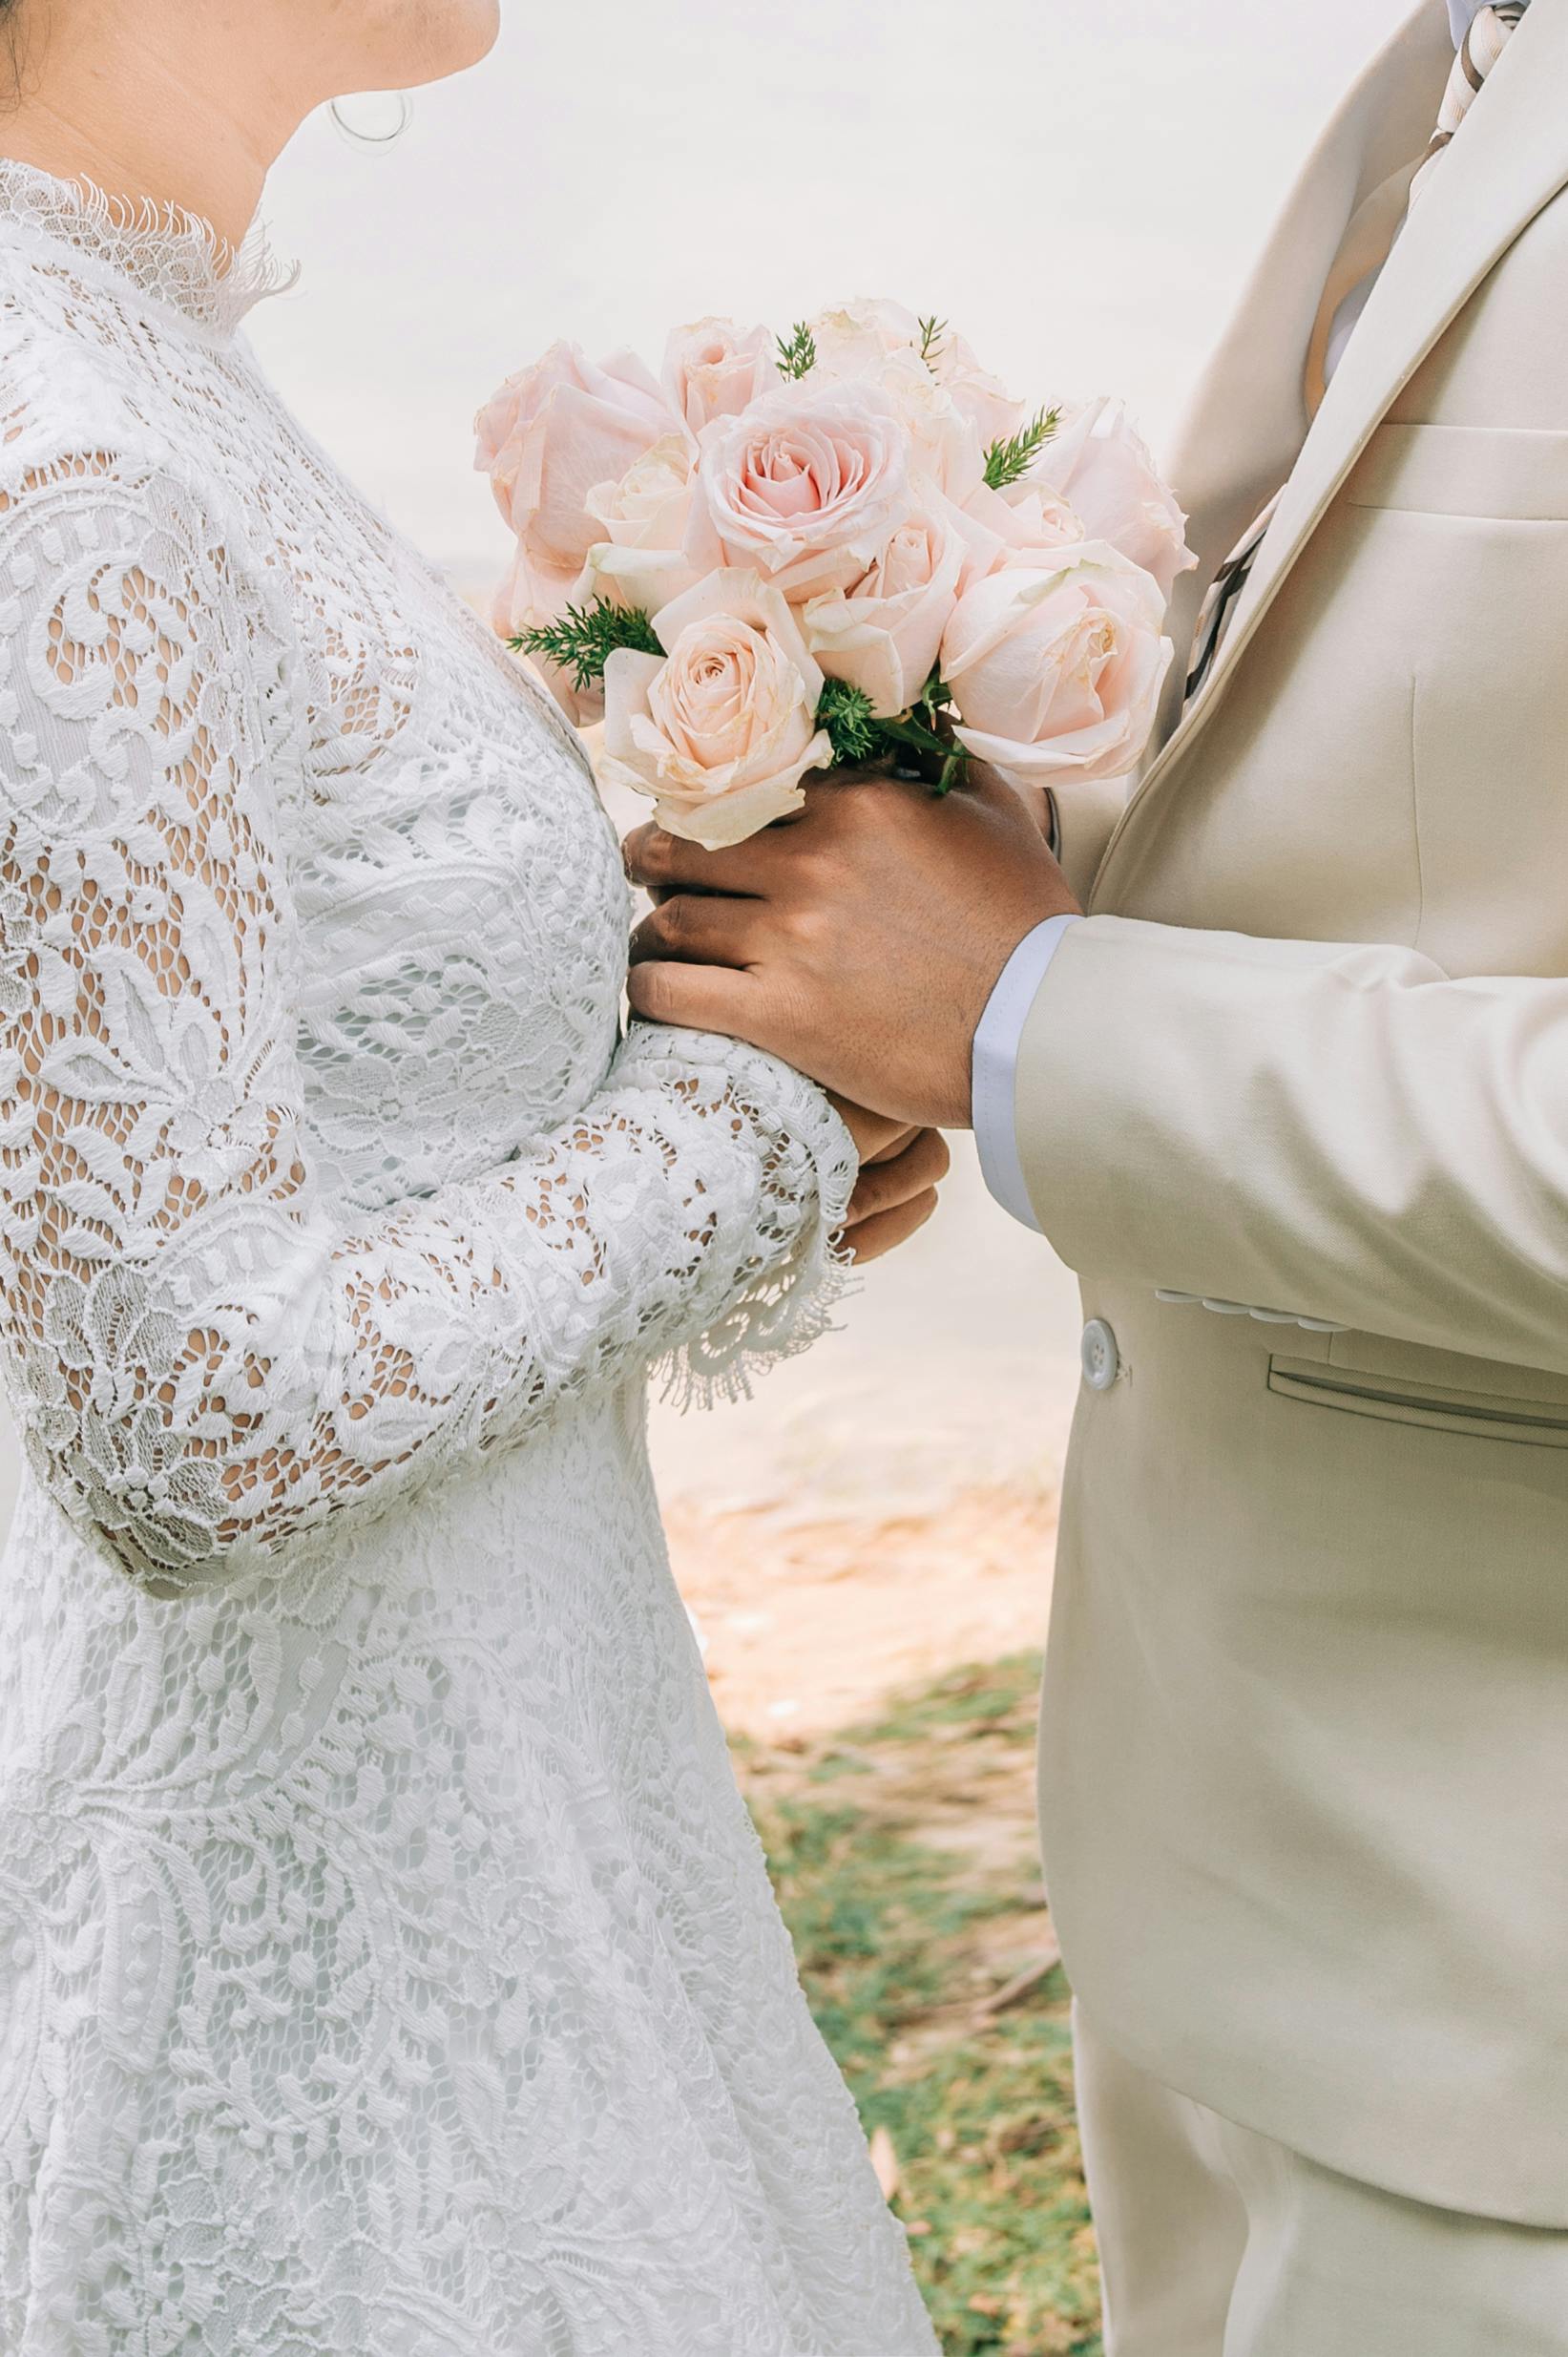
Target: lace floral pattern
x,y
387,1964
169,255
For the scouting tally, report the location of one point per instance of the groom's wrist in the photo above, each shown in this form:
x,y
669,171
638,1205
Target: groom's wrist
x,y
995,1069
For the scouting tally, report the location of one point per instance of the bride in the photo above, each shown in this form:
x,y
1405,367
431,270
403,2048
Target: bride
x,y
387,1965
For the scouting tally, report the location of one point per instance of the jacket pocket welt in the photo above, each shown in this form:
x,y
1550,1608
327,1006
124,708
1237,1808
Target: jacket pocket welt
x,y
1485,1416
1502,474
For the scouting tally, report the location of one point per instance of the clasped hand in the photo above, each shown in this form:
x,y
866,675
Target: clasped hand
x,y
859,942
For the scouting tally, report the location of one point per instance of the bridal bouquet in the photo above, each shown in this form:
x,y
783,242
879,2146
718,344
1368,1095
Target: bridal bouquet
x,y
783,555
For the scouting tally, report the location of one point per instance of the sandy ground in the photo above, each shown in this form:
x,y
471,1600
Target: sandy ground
x,y
885,1508
806,1627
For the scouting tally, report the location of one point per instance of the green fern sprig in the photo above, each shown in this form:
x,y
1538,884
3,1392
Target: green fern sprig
x,y
845,715
797,353
917,739
584,638
1009,461
933,334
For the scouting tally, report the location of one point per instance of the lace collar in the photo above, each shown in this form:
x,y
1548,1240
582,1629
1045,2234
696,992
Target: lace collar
x,y
173,255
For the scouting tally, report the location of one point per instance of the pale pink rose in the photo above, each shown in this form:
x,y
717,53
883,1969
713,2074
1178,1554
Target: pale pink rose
x,y
723,727
552,433
878,343
853,339
583,706
807,487
1059,667
530,596
984,548
979,396
1024,519
1101,467
645,520
954,407
948,447
531,592
715,368
882,633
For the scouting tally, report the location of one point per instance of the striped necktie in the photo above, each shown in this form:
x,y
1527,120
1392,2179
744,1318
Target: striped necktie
x,y
1367,243
1479,51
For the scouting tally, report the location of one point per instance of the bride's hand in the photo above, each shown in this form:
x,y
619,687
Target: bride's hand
x,y
900,1173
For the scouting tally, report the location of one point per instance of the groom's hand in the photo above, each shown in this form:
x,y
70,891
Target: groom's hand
x,y
860,941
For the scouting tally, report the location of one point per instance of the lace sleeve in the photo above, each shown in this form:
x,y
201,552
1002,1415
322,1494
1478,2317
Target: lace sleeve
x,y
205,1357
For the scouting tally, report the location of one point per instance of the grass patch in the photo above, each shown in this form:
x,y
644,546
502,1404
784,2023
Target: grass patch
x,y
903,1856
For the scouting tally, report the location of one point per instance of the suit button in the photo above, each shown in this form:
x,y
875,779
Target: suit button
x,y
1102,1358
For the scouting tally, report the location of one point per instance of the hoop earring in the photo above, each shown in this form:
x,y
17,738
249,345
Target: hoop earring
x,y
361,135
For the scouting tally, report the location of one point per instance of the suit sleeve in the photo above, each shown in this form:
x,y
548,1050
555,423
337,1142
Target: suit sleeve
x,y
1086,819
1340,1132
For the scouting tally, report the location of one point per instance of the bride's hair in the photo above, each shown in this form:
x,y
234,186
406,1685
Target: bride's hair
x,y
17,31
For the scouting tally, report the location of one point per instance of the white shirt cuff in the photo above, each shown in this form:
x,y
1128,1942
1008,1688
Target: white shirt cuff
x,y
994,1079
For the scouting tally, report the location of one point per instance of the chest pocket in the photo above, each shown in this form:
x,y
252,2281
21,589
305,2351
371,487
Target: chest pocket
x,y
1509,475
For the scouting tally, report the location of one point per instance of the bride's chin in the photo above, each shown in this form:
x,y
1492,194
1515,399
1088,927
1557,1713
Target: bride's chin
x,y
451,35
487,14
481,26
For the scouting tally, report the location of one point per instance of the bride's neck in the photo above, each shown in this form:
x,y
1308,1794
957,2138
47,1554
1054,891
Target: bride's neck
x,y
146,120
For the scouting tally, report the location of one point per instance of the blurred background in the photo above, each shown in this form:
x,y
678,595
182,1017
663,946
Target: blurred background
x,y
866,1545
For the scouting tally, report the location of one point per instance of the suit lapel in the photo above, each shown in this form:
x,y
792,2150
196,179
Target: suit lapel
x,y
1511,160
1244,428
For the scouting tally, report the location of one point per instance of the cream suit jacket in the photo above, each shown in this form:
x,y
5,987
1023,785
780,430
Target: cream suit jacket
x,y
1304,1755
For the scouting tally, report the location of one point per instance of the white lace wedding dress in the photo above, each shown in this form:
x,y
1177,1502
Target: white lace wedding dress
x,y
387,1965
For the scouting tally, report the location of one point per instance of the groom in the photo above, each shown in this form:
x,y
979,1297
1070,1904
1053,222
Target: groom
x,y
1277,1058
